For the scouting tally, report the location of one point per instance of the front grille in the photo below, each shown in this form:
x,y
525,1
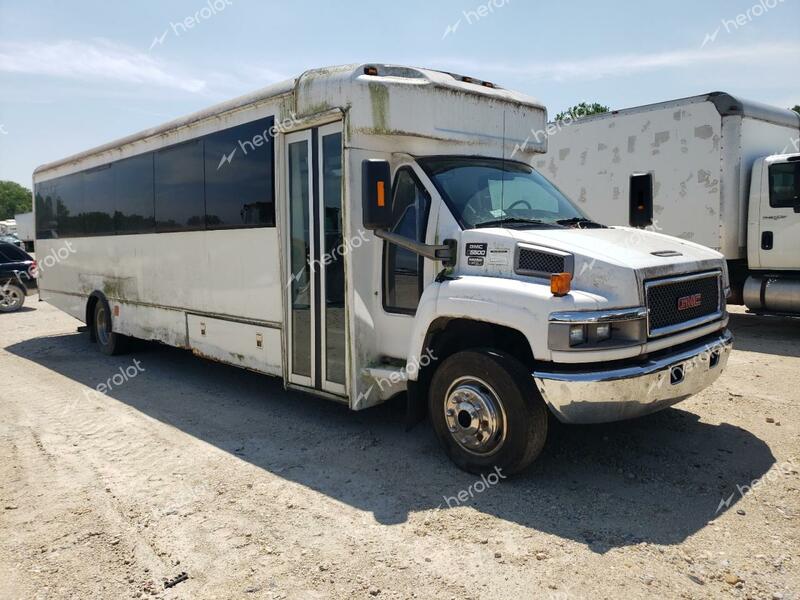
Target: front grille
x,y
534,261
682,302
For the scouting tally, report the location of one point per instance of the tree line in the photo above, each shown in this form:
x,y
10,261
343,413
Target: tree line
x,y
14,199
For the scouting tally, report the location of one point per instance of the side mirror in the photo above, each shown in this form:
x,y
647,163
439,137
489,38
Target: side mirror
x,y
376,189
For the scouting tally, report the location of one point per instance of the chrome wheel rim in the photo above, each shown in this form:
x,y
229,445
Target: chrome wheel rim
x,y
10,298
474,416
101,325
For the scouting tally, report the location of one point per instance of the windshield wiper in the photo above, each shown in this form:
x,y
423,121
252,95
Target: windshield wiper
x,y
513,221
581,221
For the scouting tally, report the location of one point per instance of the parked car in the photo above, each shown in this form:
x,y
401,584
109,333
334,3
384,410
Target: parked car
x,y
10,238
17,277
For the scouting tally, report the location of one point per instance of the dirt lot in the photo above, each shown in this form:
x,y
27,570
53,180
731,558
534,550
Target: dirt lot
x,y
253,492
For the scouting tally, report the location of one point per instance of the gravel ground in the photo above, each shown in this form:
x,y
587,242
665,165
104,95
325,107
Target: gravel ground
x,y
193,467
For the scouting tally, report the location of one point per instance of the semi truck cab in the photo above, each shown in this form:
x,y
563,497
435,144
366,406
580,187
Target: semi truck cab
x,y
774,236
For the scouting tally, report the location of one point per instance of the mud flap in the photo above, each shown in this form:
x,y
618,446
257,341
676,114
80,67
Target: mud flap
x,y
416,404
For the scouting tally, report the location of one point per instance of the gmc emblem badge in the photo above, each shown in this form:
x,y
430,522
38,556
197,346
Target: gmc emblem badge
x,y
688,302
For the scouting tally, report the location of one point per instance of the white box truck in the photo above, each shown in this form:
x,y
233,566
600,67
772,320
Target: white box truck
x,y
26,229
361,231
712,169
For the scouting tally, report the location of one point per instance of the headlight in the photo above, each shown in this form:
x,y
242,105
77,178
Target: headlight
x,y
603,331
577,335
593,330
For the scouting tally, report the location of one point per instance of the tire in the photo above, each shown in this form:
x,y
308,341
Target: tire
x,y
498,419
12,297
107,341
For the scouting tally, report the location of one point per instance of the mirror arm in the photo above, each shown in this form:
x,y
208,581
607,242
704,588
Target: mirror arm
x,y
446,252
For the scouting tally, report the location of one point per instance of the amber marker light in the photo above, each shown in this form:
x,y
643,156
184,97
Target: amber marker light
x,y
381,194
560,284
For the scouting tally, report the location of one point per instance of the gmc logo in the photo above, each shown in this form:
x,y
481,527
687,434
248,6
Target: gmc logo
x,y
688,302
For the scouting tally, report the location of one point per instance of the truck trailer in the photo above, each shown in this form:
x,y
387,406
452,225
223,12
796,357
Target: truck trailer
x,y
712,169
361,231
26,229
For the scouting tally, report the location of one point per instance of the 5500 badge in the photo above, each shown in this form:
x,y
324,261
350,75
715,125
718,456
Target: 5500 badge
x,y
475,253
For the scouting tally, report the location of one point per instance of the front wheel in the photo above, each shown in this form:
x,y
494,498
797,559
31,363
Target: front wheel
x,y
487,413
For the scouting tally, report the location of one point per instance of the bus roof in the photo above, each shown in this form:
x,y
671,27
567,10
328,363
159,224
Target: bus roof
x,y
318,90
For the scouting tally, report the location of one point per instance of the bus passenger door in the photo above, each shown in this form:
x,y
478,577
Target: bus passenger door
x,y
315,252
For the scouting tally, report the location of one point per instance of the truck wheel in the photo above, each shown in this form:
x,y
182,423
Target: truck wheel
x,y
487,412
12,297
109,342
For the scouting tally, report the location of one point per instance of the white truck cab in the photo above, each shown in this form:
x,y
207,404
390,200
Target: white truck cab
x,y
403,250
773,236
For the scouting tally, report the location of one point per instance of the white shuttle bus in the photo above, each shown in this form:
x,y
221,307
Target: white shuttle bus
x,y
362,231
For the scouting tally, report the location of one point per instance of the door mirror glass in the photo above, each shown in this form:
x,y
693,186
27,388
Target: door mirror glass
x,y
376,188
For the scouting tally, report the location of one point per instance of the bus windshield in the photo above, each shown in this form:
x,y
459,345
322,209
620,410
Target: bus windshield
x,y
484,192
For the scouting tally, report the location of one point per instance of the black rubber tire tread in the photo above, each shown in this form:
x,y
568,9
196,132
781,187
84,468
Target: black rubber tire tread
x,y
525,410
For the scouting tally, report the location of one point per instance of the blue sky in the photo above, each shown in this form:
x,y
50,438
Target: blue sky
x,y
77,74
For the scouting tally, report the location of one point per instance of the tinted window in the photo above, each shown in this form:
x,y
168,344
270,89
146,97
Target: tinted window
x,y
180,203
46,225
10,253
134,202
98,201
238,174
69,205
784,185
403,269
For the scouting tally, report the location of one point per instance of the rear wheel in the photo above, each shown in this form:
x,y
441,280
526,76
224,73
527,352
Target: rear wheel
x,y
109,342
487,413
12,297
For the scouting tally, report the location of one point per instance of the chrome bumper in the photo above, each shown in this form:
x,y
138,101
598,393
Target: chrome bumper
x,y
600,396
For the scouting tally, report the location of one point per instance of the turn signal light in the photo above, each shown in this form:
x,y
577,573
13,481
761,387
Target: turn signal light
x,y
560,284
381,193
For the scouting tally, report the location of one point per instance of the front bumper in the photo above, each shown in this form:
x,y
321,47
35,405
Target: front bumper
x,y
633,390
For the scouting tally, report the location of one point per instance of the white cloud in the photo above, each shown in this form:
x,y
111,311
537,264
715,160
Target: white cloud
x,y
93,61
598,67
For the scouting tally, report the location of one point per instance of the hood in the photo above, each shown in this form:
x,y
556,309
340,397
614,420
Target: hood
x,y
639,249
611,263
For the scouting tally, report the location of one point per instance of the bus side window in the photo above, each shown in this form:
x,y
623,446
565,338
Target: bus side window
x,y
641,200
402,272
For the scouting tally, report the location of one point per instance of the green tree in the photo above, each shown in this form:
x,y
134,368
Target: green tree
x,y
14,199
796,108
584,109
